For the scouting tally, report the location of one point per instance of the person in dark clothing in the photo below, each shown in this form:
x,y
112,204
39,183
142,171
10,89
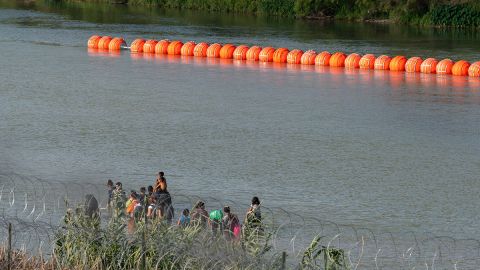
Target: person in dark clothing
x,y
252,227
199,216
165,209
91,209
142,195
110,189
231,224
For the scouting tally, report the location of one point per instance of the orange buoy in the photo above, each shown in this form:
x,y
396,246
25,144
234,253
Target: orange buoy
x,y
323,59
429,65
280,55
200,49
104,42
137,45
353,60
187,48
338,59
398,63
116,44
253,54
308,58
295,57
474,70
175,47
445,66
460,68
240,52
93,42
266,54
226,52
213,50
413,64
382,62
149,46
367,61
162,46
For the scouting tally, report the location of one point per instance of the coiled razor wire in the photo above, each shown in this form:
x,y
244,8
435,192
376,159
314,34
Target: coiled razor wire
x,y
35,208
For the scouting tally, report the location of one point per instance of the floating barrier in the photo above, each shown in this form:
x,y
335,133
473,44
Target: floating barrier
x,y
200,49
367,61
213,50
323,59
284,55
116,44
280,55
382,62
460,68
445,66
338,59
398,63
308,58
137,45
240,52
414,64
253,54
353,61
474,70
429,65
294,57
226,52
149,46
175,47
266,54
104,42
162,47
188,48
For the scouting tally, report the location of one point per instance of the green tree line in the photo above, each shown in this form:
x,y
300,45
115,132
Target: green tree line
x,y
425,12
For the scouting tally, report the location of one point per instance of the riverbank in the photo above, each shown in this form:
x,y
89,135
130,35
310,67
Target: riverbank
x,y
415,12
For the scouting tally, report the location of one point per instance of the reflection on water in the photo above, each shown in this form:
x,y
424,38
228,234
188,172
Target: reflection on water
x,y
432,87
389,151
130,21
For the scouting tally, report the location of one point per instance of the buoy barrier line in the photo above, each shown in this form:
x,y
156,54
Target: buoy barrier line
x,y
284,55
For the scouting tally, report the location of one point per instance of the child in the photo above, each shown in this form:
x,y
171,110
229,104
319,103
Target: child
x,y
131,203
184,219
110,193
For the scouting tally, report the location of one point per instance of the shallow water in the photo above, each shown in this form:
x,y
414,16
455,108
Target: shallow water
x,y
386,151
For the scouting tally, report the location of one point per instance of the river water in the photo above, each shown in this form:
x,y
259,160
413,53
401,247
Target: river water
x,y
386,151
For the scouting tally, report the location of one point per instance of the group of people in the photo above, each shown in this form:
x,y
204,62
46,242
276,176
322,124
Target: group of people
x,y
155,202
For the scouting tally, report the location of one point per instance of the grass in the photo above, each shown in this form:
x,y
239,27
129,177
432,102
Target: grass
x,y
86,243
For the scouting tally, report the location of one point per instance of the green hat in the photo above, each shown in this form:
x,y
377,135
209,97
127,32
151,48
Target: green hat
x,y
216,215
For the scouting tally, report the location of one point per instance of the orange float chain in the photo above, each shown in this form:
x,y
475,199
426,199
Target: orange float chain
x,y
253,54
280,55
445,66
188,48
284,55
213,50
162,47
226,52
200,49
240,52
266,54
149,46
353,61
367,61
295,57
308,58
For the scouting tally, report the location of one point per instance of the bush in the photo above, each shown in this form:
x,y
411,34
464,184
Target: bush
x,y
454,15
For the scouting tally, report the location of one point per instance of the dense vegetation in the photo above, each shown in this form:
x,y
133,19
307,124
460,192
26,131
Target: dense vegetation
x,y
464,13
83,242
